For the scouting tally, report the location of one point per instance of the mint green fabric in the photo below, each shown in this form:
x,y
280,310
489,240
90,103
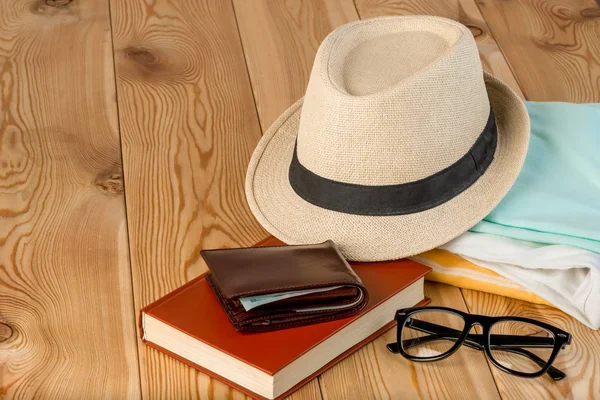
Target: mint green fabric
x,y
556,198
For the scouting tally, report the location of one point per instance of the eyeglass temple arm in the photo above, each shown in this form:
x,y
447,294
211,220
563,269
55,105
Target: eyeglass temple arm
x,y
475,341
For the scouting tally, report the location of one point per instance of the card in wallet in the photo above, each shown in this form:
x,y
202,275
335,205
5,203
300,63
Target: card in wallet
x,y
269,288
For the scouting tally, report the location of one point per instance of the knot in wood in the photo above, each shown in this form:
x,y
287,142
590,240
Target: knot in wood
x,y
141,55
5,332
111,183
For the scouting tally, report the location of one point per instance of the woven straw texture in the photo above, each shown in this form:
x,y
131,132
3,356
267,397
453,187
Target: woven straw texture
x,y
390,100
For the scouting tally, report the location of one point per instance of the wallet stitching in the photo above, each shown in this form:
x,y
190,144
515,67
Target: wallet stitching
x,y
326,316
332,316
324,313
316,316
216,283
289,314
273,290
224,304
295,313
329,316
331,304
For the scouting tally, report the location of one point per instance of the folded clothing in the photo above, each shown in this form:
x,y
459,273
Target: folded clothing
x,y
452,269
555,198
568,277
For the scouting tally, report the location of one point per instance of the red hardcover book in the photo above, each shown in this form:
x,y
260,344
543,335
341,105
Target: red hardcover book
x,y
190,325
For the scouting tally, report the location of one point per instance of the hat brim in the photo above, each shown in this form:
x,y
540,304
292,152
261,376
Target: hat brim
x,y
376,238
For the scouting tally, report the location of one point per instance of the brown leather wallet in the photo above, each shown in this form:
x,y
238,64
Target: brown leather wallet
x,y
269,288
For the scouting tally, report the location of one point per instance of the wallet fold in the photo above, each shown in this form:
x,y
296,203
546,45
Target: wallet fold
x,y
270,288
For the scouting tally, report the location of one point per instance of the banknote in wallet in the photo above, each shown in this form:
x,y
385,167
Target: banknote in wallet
x,y
270,288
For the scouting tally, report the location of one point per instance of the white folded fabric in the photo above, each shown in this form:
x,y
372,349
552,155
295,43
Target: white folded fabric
x,y
566,276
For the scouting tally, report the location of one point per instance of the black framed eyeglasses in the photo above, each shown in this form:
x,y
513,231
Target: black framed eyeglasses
x,y
519,346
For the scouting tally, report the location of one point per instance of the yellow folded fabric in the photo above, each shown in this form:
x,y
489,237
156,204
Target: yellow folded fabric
x,y
456,271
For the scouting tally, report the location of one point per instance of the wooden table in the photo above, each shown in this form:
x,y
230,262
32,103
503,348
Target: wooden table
x,y
125,130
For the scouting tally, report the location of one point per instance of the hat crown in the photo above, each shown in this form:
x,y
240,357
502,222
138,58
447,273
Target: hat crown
x,y
392,100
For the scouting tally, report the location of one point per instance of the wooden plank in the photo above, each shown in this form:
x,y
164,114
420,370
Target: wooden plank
x,y
66,314
553,46
189,126
275,60
580,360
554,50
280,41
463,11
374,372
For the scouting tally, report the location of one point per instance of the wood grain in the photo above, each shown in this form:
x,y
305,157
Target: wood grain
x,y
375,373
553,46
463,11
580,360
554,50
188,125
280,40
267,30
66,315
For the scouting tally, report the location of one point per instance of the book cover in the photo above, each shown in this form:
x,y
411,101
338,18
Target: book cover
x,y
194,310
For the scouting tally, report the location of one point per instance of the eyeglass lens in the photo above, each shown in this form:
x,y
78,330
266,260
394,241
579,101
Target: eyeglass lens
x,y
521,346
516,345
430,333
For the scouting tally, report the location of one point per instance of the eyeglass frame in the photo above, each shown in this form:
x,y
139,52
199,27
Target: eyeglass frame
x,y
561,339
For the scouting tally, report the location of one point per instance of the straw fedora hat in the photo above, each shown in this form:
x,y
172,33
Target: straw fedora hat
x,y
400,144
